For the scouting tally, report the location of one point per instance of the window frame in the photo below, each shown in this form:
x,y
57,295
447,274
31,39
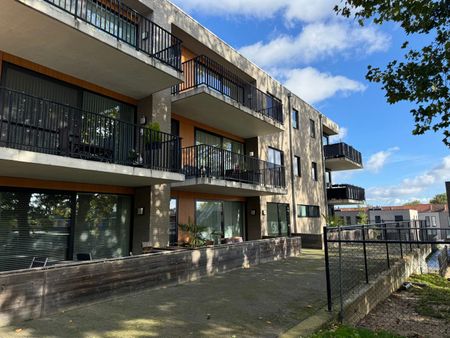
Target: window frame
x,y
314,173
295,119
297,166
312,128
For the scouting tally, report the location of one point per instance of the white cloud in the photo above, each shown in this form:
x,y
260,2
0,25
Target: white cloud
x,y
343,132
301,10
378,160
413,186
314,86
315,42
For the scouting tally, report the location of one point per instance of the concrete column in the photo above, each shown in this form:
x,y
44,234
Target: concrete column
x,y
157,108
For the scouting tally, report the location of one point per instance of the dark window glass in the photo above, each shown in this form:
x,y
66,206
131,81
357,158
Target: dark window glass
x,y
277,219
33,224
295,121
308,211
275,156
102,225
377,219
297,166
312,128
349,220
398,218
314,171
173,221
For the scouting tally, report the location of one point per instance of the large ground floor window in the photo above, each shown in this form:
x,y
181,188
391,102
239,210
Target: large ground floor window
x,y
60,225
278,219
222,219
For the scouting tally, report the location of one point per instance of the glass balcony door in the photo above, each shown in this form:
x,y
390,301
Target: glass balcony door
x,y
277,219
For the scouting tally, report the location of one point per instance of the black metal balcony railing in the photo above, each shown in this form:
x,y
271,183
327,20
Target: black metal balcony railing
x,y
338,150
346,192
128,26
212,162
39,125
204,71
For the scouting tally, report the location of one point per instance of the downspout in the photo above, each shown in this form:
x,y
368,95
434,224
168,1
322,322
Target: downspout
x,y
322,151
291,155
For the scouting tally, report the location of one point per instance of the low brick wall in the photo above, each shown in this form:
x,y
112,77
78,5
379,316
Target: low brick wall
x,y
358,306
311,241
29,294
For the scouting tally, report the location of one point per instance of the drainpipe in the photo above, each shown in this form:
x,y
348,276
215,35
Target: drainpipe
x,y
291,156
323,166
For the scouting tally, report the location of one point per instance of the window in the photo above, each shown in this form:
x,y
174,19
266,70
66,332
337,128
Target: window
x,y
312,128
349,220
295,121
278,219
314,171
173,221
204,137
275,156
377,219
297,166
398,218
433,221
60,225
308,211
221,219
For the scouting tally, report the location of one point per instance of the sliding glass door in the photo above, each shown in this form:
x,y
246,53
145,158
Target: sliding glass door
x,y
59,225
221,219
33,224
102,225
277,219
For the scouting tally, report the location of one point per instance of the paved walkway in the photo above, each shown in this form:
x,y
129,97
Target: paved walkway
x,y
263,301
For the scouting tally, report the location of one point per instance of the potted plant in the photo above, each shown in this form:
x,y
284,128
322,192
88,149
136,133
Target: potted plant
x,y
152,136
195,234
134,157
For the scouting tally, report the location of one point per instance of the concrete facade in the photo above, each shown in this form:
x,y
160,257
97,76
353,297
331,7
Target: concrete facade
x,y
146,82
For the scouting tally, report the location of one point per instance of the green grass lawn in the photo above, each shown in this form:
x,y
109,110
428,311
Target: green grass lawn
x,y
434,298
351,332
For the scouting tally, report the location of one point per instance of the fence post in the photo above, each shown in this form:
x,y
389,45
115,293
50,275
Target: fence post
x,y
417,234
365,253
387,246
400,241
327,267
341,299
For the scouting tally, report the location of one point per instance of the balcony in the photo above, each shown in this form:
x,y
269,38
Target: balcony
x,y
342,194
215,96
341,156
214,170
42,139
103,42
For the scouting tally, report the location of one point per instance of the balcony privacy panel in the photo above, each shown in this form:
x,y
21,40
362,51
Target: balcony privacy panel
x,y
33,84
33,225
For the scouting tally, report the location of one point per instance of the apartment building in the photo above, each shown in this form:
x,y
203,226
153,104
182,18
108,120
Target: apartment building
x,y
120,120
432,216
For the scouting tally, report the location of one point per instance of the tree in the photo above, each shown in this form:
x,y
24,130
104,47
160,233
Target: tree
x,y
423,77
439,199
414,202
362,217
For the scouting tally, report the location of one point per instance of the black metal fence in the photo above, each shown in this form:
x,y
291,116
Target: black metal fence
x,y
39,125
208,161
345,192
204,71
338,150
357,255
126,25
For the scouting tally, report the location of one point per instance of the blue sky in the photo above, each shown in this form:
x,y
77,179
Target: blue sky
x,y
323,59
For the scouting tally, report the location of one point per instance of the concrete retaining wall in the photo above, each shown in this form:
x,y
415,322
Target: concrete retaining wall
x,y
358,306
29,294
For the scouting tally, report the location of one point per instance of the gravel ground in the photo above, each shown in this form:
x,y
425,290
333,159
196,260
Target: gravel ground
x,y
397,314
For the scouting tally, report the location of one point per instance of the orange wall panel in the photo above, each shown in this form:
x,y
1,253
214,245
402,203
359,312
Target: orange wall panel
x,y
187,54
67,186
187,131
